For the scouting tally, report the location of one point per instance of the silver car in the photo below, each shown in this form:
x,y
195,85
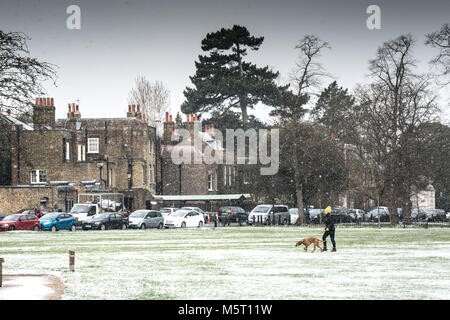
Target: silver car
x,y
143,219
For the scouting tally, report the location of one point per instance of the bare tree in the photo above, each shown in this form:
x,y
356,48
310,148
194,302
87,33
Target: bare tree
x,y
21,76
154,98
441,41
396,102
291,106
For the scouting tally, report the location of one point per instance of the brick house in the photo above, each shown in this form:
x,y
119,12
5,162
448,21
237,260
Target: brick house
x,y
76,155
200,178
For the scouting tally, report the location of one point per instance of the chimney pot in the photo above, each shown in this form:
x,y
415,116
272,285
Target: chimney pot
x,y
77,108
37,101
170,118
48,101
138,108
52,102
133,108
187,118
8,112
167,117
129,108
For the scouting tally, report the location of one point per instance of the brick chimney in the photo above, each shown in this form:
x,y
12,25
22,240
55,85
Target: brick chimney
x,y
138,113
73,111
169,127
44,112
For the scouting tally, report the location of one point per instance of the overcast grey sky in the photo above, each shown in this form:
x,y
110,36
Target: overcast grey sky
x,y
161,40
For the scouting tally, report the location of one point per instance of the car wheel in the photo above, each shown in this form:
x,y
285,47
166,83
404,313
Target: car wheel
x,y
200,224
11,228
124,226
143,226
36,228
53,229
183,225
102,227
161,225
73,228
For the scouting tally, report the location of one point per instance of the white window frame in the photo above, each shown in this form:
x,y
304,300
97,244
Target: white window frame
x,y
89,145
224,175
211,182
37,177
81,152
67,151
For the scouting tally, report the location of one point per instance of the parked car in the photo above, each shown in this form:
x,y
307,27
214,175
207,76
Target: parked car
x,y
20,222
2,216
293,212
435,215
266,211
143,219
106,221
448,216
205,216
55,221
34,212
167,211
314,215
229,214
382,211
84,211
184,218
341,214
418,214
357,215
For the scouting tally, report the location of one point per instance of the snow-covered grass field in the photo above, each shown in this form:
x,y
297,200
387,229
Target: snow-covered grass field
x,y
237,263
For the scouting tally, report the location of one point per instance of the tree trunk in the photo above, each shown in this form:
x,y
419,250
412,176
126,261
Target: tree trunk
x,y
301,211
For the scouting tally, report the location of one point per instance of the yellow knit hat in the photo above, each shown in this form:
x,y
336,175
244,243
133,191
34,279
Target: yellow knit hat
x,y
328,209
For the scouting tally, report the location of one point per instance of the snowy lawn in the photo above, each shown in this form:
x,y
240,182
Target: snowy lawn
x,y
237,263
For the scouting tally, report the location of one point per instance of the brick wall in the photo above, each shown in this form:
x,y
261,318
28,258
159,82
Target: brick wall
x,y
13,199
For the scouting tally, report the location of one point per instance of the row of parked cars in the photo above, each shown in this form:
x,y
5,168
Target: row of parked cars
x,y
195,217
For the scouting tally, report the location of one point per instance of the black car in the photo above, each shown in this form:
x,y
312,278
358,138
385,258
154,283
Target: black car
x,y
106,220
229,214
341,214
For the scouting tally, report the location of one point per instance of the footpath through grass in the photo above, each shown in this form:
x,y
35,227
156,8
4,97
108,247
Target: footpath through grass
x,y
237,263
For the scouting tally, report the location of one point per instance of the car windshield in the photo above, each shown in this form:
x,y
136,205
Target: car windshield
x,y
80,208
313,211
12,217
165,210
179,213
50,216
138,214
293,211
261,209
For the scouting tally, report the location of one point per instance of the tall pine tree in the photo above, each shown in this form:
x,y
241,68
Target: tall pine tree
x,y
223,80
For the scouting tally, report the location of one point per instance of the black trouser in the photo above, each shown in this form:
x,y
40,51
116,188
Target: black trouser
x,y
331,234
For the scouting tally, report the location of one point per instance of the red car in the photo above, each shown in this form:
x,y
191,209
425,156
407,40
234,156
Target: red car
x,y
20,222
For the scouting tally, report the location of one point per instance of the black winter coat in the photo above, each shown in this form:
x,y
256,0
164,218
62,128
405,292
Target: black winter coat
x,y
329,222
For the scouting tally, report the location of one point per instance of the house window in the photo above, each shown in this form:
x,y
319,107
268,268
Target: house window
x,y
38,176
81,152
67,151
93,145
210,182
224,175
246,177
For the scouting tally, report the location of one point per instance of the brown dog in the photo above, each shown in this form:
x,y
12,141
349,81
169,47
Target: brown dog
x,y
306,242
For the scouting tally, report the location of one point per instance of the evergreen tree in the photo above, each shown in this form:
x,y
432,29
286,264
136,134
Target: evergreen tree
x,y
223,80
334,110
